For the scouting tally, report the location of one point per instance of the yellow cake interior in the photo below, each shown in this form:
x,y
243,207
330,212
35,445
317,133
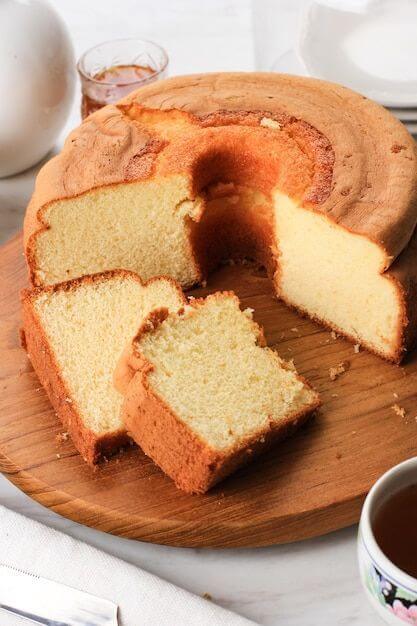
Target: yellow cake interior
x,y
335,276
151,227
209,368
87,327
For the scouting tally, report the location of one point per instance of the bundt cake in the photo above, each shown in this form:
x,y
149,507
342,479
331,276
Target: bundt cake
x,y
74,333
314,181
203,394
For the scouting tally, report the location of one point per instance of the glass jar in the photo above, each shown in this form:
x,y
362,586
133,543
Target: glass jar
x,y
113,69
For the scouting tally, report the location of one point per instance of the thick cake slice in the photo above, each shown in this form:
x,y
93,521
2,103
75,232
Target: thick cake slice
x,y
74,334
203,394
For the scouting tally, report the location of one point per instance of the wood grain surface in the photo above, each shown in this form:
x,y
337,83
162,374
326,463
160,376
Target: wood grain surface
x,y
309,485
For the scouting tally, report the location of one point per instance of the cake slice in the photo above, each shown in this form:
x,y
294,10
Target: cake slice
x,y
203,394
74,333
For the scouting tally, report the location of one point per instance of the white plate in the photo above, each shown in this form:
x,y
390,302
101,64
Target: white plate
x,y
412,128
372,50
405,115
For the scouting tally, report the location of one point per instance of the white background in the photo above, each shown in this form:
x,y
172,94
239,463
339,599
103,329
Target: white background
x,y
305,584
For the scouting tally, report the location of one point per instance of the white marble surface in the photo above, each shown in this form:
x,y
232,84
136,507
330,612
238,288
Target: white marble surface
x,y
305,584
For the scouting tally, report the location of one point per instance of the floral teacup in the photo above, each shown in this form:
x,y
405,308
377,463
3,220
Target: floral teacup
x,y
392,592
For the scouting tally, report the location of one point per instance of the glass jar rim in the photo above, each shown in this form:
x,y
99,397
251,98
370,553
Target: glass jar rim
x,y
82,71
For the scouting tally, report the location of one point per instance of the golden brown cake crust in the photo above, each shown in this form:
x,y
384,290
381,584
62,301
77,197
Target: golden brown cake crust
x,y
186,458
364,161
334,151
93,447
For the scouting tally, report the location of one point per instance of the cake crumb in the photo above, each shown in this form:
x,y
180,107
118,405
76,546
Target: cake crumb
x,y
356,348
294,330
58,456
335,395
249,312
395,394
68,400
398,410
207,596
61,437
267,122
333,335
338,370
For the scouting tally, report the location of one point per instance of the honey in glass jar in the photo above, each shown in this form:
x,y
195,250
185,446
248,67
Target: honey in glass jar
x,y
113,69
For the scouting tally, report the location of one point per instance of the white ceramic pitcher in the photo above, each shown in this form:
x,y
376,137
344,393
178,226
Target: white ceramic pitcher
x,y
37,79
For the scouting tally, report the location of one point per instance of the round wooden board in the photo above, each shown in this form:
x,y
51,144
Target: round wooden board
x,y
309,485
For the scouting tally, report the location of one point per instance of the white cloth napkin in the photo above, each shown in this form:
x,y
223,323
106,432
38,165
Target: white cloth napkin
x,y
143,599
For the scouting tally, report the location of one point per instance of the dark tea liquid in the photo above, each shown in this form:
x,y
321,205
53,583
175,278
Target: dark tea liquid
x,y
395,529
117,81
